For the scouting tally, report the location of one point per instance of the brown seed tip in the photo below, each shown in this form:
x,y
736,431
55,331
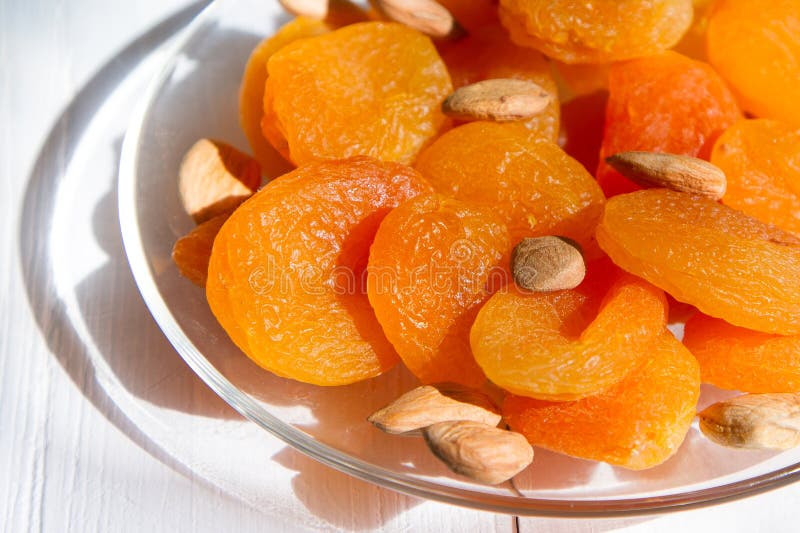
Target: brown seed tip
x,y
501,100
671,171
484,453
425,16
316,9
430,404
755,421
544,264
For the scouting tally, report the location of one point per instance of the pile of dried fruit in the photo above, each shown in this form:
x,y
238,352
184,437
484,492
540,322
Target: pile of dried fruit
x,y
428,211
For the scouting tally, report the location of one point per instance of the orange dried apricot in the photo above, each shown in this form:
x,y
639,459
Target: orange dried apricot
x,y
664,103
755,47
472,14
579,80
286,270
582,120
637,424
761,159
251,95
428,271
596,32
566,345
192,252
708,255
532,185
736,358
371,89
693,43
487,54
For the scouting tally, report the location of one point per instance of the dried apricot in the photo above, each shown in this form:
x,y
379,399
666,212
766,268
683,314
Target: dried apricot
x,y
754,46
566,345
192,252
582,120
532,185
693,43
601,31
665,103
741,359
367,89
488,54
761,159
286,270
472,14
251,95
708,255
428,271
637,424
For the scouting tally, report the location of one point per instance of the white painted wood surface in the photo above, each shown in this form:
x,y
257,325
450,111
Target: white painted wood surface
x,y
70,459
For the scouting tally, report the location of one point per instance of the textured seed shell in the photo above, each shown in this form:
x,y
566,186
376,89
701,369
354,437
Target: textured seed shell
x,y
425,16
755,421
211,174
544,264
317,9
430,404
678,172
499,99
478,451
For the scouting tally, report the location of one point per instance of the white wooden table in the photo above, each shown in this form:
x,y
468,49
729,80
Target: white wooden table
x,y
70,458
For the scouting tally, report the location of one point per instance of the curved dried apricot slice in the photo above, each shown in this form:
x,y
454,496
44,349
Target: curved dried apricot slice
x,y
532,185
601,31
368,89
488,54
428,271
472,14
761,159
251,95
286,270
568,344
741,359
665,103
708,255
754,46
639,423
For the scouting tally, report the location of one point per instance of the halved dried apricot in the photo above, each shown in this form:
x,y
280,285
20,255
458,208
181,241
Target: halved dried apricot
x,y
532,185
637,424
600,31
488,54
251,95
428,272
664,103
754,46
761,159
367,89
286,271
741,359
568,344
708,255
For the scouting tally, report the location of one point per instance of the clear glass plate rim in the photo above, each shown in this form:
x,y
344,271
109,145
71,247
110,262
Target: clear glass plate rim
x,y
328,455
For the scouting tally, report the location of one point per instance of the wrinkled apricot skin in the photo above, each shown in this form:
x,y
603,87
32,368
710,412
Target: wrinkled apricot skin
x,y
370,89
428,271
761,159
251,96
741,359
754,46
664,103
708,255
568,344
600,31
638,424
488,54
533,186
286,270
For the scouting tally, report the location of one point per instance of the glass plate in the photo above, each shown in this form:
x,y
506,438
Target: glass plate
x,y
196,96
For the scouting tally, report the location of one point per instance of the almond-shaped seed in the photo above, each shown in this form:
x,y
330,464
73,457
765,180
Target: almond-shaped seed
x,y
501,100
671,171
316,9
478,451
430,404
213,172
425,16
544,264
755,421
